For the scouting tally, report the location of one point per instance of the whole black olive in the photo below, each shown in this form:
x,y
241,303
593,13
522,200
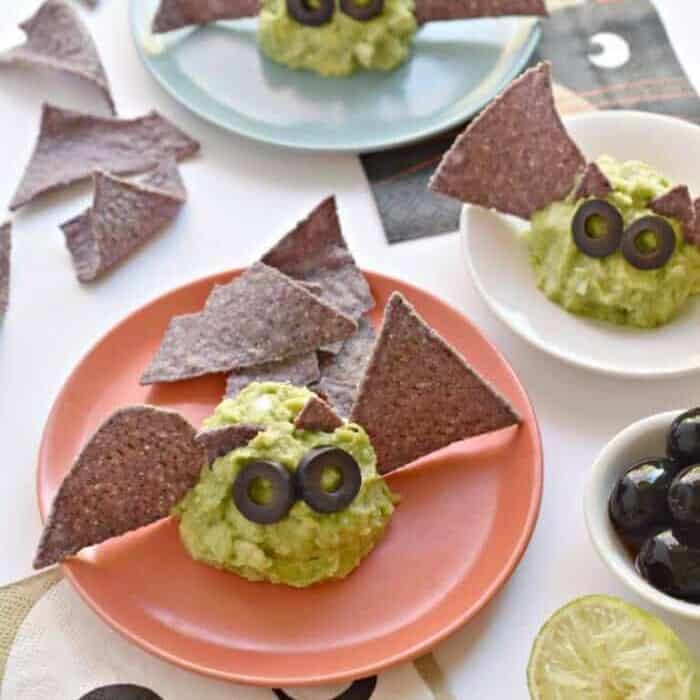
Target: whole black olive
x,y
684,499
638,504
683,441
606,239
657,230
264,492
672,565
328,479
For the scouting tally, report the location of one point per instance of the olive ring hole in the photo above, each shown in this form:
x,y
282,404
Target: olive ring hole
x,y
331,479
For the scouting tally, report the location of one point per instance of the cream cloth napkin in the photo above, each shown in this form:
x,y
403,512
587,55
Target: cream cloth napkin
x,y
54,647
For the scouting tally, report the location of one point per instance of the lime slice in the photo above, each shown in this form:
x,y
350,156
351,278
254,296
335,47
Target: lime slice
x,y
601,648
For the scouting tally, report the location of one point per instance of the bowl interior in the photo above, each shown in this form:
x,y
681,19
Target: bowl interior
x,y
645,438
498,259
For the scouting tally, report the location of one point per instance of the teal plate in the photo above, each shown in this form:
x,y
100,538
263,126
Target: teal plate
x,y
219,74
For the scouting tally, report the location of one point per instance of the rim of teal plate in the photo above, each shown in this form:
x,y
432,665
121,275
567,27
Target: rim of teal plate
x,y
520,54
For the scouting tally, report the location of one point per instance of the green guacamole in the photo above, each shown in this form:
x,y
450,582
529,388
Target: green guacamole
x,y
305,547
343,45
610,288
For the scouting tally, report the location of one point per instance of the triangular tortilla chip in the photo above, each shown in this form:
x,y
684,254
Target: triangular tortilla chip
x,y
5,250
218,442
73,145
341,373
419,395
515,157
695,238
133,470
123,215
431,10
677,204
175,14
262,316
317,415
593,183
316,251
301,370
58,39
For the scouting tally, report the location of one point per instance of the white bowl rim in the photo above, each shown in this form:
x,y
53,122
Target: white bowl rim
x,y
596,525
535,341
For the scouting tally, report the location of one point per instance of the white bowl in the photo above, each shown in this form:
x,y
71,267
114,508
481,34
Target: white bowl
x,y
645,438
497,260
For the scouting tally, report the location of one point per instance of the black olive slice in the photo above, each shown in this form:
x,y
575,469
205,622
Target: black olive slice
x,y
311,15
658,254
275,481
312,475
604,242
362,12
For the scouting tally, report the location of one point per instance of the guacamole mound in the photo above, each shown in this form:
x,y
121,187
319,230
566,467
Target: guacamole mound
x,y
305,547
343,45
610,288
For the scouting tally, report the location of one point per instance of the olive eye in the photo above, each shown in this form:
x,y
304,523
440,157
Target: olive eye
x,y
312,15
362,12
597,228
648,243
264,492
328,479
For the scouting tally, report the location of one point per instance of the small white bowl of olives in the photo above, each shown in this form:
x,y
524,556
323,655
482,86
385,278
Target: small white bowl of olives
x,y
642,507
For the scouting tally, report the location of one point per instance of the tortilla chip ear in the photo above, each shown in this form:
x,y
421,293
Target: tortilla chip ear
x,y
317,415
678,204
132,471
516,156
431,10
593,183
176,14
419,394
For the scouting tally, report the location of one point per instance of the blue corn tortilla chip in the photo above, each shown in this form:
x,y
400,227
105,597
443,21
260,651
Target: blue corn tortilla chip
x,y
124,214
300,370
419,394
176,14
678,204
316,252
218,442
341,373
433,10
516,156
593,183
57,39
317,415
5,251
139,463
73,145
262,316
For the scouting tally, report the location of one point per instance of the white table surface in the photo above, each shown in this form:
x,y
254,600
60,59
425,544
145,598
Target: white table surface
x,y
243,196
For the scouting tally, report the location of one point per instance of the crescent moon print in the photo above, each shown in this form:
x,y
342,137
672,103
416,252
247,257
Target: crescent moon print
x,y
359,690
613,50
121,692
